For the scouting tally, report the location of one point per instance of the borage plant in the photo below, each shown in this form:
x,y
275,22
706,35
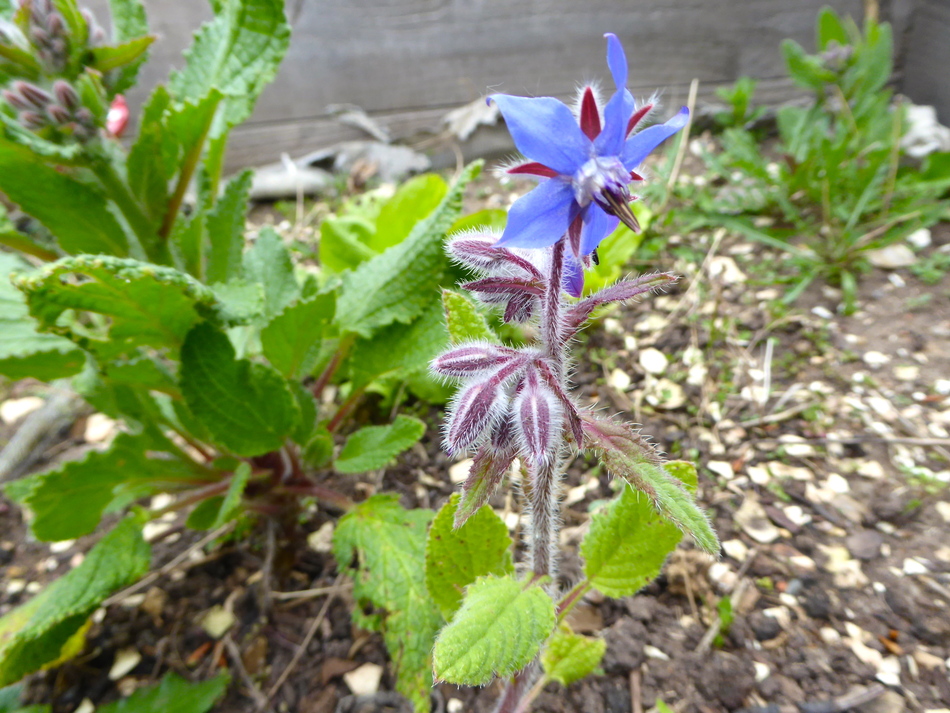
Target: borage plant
x,y
516,411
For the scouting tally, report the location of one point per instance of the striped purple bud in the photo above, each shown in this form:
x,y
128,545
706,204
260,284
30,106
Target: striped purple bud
x,y
33,94
16,101
32,120
66,95
475,250
470,360
538,419
479,406
58,114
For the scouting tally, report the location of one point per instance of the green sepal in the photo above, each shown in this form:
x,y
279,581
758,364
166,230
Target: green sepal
x,y
463,320
569,657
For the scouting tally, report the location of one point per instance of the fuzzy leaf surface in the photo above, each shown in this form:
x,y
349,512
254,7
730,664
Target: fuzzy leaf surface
x,y
68,501
74,213
399,350
497,631
389,543
398,284
35,633
374,447
172,695
291,341
457,557
268,263
225,226
237,53
627,455
627,545
248,408
463,320
570,657
25,352
413,201
147,305
128,22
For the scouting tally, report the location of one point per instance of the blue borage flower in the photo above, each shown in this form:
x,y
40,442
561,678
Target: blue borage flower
x,y
589,161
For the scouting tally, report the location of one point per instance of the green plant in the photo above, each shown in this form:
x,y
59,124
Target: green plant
x,y
214,355
741,113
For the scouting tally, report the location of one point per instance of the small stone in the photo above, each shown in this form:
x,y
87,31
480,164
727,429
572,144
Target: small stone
x,y
865,544
61,546
216,621
619,380
454,705
889,671
653,361
100,428
762,671
654,653
830,636
942,387
758,474
837,483
15,586
458,473
721,468
364,681
666,394
752,519
321,540
920,238
871,469
125,661
764,627
892,257
735,549
927,660
15,409
86,706
913,566
721,574
154,602
725,269
847,571
875,360
907,372
943,509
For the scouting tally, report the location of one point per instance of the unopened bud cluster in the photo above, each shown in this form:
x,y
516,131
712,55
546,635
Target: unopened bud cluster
x,y
47,35
60,109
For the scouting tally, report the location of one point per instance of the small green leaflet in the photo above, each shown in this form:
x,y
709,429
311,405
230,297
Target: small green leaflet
x,y
24,352
268,262
237,53
248,408
457,557
398,284
343,242
291,341
628,455
497,631
225,229
35,634
570,657
375,447
128,22
463,320
172,695
627,545
148,305
390,545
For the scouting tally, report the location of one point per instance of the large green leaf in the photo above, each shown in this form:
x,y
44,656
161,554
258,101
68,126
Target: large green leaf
x,y
225,226
627,545
36,633
374,447
268,263
399,350
398,284
292,340
497,631
237,53
68,501
172,695
146,305
456,557
389,543
78,216
24,352
247,408
344,242
414,200
629,456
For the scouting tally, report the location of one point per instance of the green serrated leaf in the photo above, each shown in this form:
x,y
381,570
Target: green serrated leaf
x,y
413,201
570,657
225,226
375,447
398,350
74,213
268,262
456,557
627,455
68,501
128,22
291,341
147,305
390,545
237,53
463,320
247,408
398,284
172,695
239,301
627,545
36,633
497,631
24,352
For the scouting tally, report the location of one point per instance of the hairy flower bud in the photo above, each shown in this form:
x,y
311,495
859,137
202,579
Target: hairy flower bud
x,y
33,94
55,24
16,101
538,419
58,114
66,95
32,120
85,118
470,360
477,251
